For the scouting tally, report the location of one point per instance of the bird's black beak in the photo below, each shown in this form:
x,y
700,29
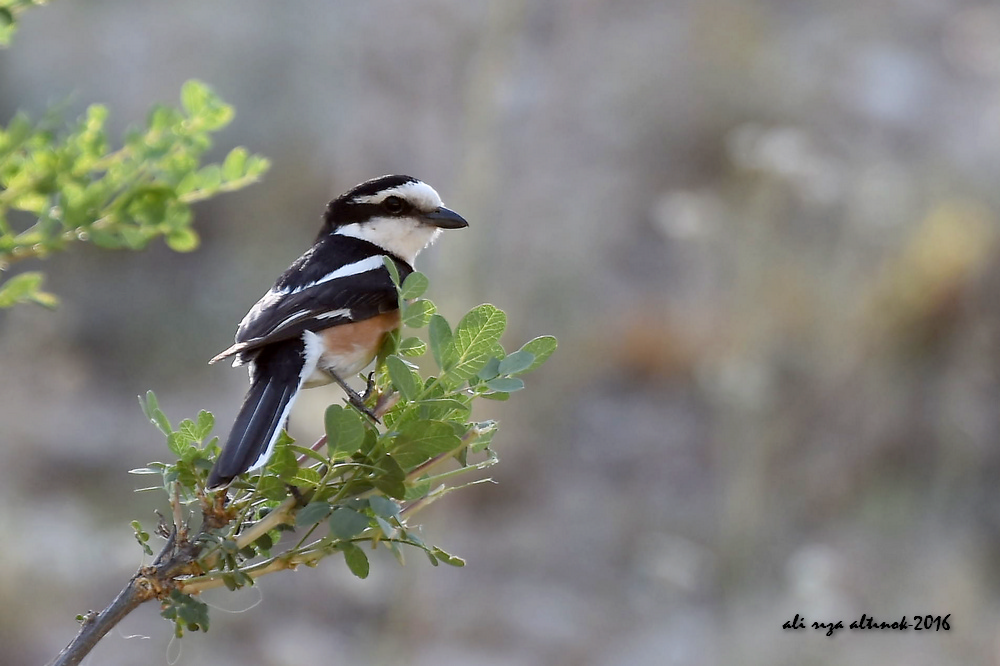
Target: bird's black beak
x,y
444,218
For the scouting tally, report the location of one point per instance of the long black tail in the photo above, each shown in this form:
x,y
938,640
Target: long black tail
x,y
275,383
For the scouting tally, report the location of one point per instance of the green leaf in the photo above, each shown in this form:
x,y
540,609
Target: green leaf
x,y
148,404
210,178
475,337
234,166
140,471
505,384
383,506
390,477
283,462
542,347
265,542
490,370
142,537
161,421
7,32
257,166
177,443
516,363
412,346
32,202
190,611
194,97
387,529
25,288
312,513
184,239
442,345
309,453
347,523
356,560
217,114
206,421
305,477
345,431
443,408
272,488
188,183
417,489
390,266
418,313
356,503
447,558
186,430
414,285
402,377
421,440
136,237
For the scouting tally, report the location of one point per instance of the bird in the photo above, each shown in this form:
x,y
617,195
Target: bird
x,y
327,315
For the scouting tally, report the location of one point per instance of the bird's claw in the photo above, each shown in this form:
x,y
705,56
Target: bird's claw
x,y
369,386
357,401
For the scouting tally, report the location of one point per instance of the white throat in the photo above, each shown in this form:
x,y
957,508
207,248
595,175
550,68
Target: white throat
x,y
403,237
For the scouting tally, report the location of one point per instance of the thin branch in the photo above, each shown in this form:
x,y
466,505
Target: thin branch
x,y
319,444
177,566
280,563
178,557
96,625
229,186
180,527
280,515
175,558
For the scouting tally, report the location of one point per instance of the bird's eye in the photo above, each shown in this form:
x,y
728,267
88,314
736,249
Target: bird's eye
x,y
394,205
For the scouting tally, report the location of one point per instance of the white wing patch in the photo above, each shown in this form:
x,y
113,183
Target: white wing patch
x,y
339,313
363,266
342,312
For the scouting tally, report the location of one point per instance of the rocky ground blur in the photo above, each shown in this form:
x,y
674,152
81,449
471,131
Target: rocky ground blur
x,y
764,232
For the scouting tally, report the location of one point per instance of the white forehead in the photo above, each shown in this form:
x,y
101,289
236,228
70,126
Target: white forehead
x,y
420,195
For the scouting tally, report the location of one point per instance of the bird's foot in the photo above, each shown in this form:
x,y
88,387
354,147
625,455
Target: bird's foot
x,y
357,401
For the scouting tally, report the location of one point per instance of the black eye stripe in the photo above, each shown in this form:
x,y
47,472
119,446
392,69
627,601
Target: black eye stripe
x,y
394,205
342,212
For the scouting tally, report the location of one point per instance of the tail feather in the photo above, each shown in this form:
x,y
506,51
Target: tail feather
x,y
275,383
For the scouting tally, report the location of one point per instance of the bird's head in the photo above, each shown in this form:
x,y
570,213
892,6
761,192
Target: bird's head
x,y
400,214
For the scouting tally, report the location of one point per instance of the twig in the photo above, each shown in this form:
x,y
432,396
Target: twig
x,y
180,527
95,626
319,444
176,558
281,563
280,515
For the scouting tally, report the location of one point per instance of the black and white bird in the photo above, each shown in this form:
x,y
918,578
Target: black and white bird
x,y
327,315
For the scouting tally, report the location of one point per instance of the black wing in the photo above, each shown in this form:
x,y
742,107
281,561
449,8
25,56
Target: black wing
x,y
311,295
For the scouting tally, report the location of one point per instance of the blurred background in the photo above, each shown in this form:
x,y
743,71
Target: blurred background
x,y
764,232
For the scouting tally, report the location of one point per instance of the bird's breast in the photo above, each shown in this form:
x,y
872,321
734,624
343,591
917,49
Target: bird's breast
x,y
348,348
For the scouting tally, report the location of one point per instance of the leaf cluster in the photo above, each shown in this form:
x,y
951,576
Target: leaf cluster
x,y
10,11
61,185
357,488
